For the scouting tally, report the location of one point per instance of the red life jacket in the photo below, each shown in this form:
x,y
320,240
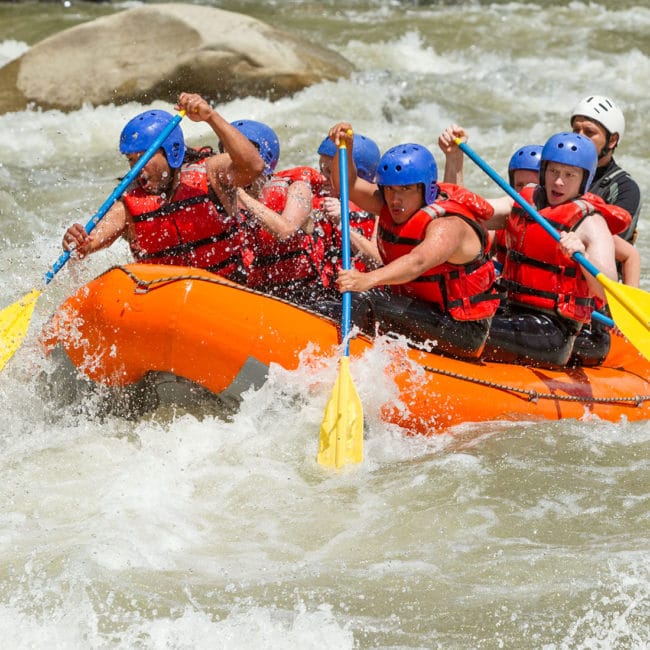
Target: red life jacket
x,y
190,229
274,193
361,221
272,265
455,199
614,215
312,177
465,291
536,273
618,219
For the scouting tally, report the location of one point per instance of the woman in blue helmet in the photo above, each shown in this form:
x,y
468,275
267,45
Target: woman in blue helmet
x,y
327,207
524,166
434,250
523,169
179,210
549,296
282,254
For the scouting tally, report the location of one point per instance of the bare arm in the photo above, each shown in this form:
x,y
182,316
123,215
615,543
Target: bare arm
x,y
112,225
241,163
630,260
502,208
294,216
367,248
593,239
449,239
454,157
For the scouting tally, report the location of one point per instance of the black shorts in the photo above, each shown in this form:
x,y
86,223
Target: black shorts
x,y
520,335
424,324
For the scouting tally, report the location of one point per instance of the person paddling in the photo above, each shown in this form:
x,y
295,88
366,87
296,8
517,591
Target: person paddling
x,y
435,253
549,297
179,211
366,156
283,255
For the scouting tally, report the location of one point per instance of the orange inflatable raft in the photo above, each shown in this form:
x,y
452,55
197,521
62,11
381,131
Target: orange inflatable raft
x,y
138,321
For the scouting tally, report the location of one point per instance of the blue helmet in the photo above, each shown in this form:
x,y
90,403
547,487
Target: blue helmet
x,y
327,148
528,157
365,153
366,156
141,132
571,149
264,138
408,164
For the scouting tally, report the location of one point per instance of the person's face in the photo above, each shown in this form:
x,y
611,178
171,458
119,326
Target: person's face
x,y
325,164
155,177
597,133
523,177
562,183
403,201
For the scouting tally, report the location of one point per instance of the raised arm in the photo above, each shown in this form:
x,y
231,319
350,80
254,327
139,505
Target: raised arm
x,y
453,155
241,163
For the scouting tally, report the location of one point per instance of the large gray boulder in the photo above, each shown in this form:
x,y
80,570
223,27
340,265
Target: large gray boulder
x,y
156,51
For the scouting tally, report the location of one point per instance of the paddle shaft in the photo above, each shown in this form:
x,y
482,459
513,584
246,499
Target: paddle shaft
x,y
341,431
118,191
508,189
345,244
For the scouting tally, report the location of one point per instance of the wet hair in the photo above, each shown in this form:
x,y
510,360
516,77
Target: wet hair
x,y
194,154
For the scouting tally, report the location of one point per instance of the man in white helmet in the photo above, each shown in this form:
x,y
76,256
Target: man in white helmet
x,y
602,121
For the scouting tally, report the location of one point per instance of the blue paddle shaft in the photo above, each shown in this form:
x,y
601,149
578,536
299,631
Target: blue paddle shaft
x,y
605,320
118,191
508,189
345,243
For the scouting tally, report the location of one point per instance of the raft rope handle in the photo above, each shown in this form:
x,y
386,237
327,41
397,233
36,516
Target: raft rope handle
x,y
144,286
533,395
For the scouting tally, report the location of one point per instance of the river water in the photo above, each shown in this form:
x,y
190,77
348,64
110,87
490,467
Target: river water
x,y
183,529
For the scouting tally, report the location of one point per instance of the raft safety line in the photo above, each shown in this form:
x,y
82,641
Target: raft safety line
x,y
534,396
143,286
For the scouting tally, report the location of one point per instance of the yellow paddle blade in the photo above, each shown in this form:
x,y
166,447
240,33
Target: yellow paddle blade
x,y
630,309
341,431
14,323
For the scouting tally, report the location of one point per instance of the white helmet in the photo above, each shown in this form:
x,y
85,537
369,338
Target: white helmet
x,y
603,110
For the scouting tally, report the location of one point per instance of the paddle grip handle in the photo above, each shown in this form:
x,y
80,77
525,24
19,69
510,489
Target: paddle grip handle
x,y
118,191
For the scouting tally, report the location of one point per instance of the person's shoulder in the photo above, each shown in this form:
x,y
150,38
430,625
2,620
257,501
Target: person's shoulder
x,y
596,224
613,169
217,163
